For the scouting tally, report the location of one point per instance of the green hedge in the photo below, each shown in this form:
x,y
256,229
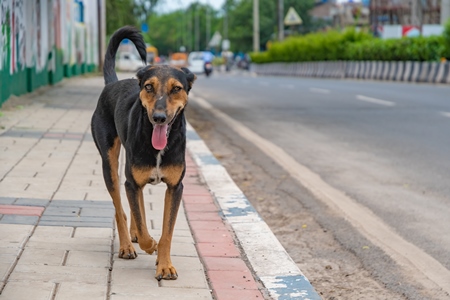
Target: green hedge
x,y
352,45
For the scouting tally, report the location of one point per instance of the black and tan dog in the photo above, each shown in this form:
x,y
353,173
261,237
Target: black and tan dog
x,y
146,116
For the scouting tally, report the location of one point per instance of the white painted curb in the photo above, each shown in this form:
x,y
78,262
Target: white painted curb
x,y
267,257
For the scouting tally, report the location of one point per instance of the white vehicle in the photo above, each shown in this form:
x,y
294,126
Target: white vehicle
x,y
195,62
129,62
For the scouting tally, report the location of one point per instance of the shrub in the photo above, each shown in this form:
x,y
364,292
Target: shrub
x,y
353,45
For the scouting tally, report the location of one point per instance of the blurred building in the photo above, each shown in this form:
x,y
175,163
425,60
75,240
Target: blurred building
x,y
43,41
342,13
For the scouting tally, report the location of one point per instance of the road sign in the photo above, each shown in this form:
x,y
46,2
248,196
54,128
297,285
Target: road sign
x,y
292,18
215,40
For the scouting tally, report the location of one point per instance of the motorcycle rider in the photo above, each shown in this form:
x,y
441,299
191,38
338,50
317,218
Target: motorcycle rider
x,y
207,59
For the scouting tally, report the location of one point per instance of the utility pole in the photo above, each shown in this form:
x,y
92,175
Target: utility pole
x,y
445,11
280,20
197,29
208,25
256,25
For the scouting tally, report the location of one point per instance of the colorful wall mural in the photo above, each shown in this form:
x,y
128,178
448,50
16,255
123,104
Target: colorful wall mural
x,y
42,41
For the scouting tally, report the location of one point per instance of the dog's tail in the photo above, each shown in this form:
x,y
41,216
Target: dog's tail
x,y
127,32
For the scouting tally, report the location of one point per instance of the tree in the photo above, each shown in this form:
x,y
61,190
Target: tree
x,y
118,15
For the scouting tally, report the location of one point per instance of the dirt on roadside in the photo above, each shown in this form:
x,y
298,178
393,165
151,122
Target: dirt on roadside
x,y
335,272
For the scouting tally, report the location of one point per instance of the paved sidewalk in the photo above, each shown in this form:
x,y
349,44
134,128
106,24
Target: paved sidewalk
x,y
57,229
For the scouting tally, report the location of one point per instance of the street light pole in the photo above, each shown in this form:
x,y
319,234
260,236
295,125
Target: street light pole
x,y
256,25
280,20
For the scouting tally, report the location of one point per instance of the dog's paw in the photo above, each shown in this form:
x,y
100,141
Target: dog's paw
x,y
127,252
150,246
134,237
166,271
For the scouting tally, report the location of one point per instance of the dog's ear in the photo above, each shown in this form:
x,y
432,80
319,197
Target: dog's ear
x,y
190,77
140,73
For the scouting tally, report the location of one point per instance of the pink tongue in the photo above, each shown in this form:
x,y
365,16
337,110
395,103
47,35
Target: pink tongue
x,y
159,137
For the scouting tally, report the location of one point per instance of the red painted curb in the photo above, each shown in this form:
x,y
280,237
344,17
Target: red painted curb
x,y
228,275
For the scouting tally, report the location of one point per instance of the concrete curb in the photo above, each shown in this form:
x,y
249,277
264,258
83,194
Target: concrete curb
x,y
408,71
275,269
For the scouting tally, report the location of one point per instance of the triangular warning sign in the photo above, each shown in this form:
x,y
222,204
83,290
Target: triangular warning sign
x,y
292,17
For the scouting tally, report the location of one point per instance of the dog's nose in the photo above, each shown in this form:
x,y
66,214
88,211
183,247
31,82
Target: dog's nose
x,y
159,117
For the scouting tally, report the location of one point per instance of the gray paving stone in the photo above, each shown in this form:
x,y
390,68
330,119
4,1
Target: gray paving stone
x,y
27,290
187,279
98,212
88,259
5,268
76,224
31,202
61,211
52,232
38,256
94,233
133,277
7,200
16,219
67,244
77,291
87,275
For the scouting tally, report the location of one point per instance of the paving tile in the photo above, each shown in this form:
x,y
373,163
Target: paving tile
x,y
133,277
52,232
124,292
224,264
187,279
94,233
7,200
143,261
24,290
207,225
88,259
233,294
198,198
77,291
13,235
213,236
5,268
16,219
40,273
204,216
232,280
197,207
32,202
9,255
21,210
80,244
218,249
50,257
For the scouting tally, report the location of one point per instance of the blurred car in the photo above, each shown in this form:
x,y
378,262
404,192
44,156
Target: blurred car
x,y
128,62
195,62
179,59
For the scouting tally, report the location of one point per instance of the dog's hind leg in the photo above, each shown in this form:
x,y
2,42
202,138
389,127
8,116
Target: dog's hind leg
x,y
111,176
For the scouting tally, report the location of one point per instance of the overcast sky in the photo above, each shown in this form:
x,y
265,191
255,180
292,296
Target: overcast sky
x,y
169,5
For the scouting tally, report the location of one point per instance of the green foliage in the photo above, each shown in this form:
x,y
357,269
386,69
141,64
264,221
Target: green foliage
x,y
405,49
312,47
446,37
118,15
352,45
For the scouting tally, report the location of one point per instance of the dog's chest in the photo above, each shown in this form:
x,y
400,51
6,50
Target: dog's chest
x,y
156,174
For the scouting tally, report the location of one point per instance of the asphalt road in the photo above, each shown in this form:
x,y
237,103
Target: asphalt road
x,y
386,145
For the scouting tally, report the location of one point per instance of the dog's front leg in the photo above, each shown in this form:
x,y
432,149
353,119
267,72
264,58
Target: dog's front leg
x,y
165,269
136,200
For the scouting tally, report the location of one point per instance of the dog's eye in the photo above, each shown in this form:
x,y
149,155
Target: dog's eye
x,y
148,87
176,89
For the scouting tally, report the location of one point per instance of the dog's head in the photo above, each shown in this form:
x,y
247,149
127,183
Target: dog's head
x,y
164,94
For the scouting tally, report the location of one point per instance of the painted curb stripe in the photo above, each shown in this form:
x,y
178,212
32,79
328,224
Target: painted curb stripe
x,y
270,261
